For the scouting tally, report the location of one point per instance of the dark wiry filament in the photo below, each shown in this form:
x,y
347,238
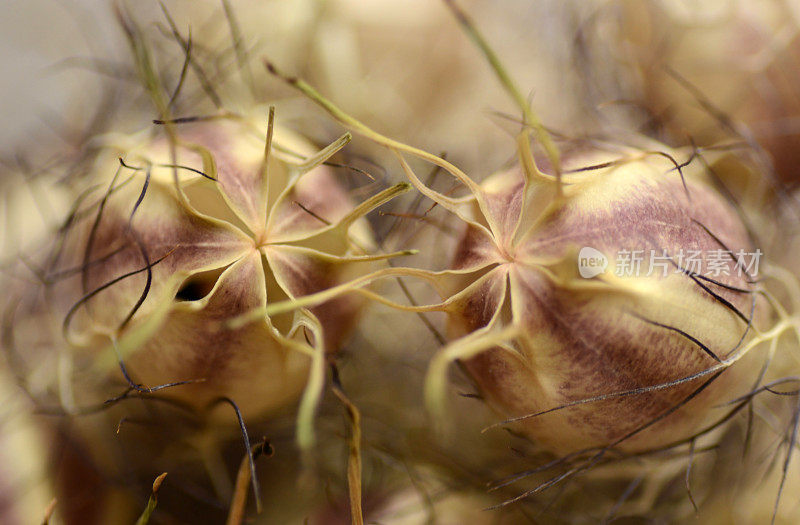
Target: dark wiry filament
x,y
128,393
63,230
626,494
727,250
184,69
186,120
63,274
143,250
727,304
412,208
238,47
704,101
521,475
769,387
187,168
112,282
635,391
246,439
789,452
351,168
93,232
724,285
679,167
697,278
677,330
598,456
138,387
313,214
204,82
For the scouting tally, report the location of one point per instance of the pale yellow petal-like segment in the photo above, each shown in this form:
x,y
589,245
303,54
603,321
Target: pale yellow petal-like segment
x,y
309,301
465,348
302,271
394,145
530,119
307,224
315,385
309,201
303,252
504,207
480,305
449,203
354,462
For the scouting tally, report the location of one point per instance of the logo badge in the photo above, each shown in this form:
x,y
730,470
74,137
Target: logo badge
x,y
591,262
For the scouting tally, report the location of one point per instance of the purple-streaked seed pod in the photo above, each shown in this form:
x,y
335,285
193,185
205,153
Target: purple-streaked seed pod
x,y
631,299
605,302
165,268
608,305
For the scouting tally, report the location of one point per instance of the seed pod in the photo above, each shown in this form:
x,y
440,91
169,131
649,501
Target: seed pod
x,y
722,72
625,285
168,272
634,362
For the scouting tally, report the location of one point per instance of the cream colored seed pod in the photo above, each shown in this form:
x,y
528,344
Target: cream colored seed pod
x,y
628,281
179,257
634,361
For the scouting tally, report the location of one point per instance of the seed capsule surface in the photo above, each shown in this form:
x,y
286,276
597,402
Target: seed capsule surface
x,y
192,234
643,314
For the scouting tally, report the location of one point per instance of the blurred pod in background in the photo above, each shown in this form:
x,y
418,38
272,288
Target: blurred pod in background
x,y
708,73
24,480
406,68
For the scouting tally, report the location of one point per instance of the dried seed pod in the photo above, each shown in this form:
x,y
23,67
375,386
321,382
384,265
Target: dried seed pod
x,y
167,264
625,291
596,360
